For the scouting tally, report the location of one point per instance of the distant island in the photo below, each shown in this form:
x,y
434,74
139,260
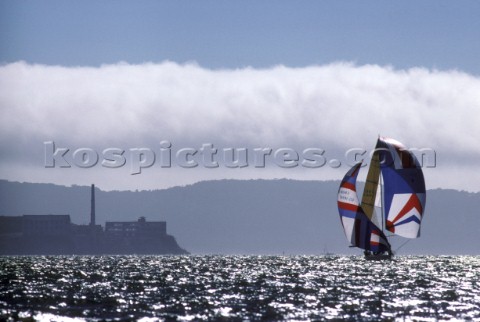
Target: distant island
x,y
57,235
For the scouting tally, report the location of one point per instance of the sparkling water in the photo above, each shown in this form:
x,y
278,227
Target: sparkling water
x,y
422,288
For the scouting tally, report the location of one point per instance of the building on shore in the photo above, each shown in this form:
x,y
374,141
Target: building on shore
x,y
135,229
56,234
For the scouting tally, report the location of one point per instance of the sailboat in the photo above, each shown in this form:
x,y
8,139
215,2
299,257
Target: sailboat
x,y
393,200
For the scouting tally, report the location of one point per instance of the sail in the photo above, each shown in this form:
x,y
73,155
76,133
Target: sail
x,y
359,230
404,188
377,217
371,187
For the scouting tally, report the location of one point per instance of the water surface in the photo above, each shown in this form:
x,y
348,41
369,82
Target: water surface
x,y
425,288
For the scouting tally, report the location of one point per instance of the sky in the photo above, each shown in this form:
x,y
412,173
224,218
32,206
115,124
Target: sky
x,y
324,75
236,34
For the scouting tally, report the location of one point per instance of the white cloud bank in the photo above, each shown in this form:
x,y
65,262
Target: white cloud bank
x,y
334,107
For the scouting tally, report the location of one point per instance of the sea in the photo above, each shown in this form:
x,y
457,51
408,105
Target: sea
x,y
238,288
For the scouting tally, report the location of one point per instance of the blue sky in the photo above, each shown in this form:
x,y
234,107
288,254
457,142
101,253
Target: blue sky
x,y
227,34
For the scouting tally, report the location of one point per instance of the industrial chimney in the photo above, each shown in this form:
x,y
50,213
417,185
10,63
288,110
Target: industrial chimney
x,y
92,209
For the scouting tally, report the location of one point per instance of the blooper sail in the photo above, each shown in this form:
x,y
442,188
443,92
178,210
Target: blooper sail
x,y
359,229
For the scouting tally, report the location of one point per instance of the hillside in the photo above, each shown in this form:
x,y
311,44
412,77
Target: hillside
x,y
250,216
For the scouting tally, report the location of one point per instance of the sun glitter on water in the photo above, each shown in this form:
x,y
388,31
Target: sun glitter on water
x,y
239,287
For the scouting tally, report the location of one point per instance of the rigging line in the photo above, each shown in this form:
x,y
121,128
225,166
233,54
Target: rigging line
x,y
402,245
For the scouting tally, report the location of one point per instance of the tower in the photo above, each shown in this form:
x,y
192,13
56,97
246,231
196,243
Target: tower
x,y
92,209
